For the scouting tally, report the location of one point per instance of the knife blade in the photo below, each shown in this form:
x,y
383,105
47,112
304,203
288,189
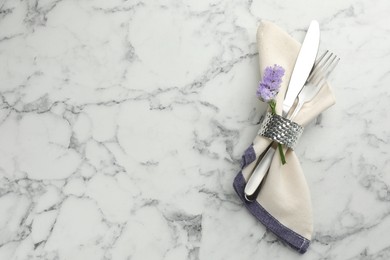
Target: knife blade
x,y
303,65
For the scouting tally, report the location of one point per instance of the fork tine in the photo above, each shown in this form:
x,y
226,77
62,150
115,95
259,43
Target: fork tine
x,y
321,67
320,58
325,69
319,64
332,66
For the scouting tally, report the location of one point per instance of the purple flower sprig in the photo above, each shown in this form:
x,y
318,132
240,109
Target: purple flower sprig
x,y
267,91
270,85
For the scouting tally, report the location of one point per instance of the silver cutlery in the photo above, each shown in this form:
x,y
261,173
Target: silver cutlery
x,y
302,68
321,71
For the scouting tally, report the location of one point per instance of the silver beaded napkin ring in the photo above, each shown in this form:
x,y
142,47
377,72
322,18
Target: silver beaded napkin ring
x,y
280,130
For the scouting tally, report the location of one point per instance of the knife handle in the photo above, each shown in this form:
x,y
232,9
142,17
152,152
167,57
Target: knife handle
x,y
258,174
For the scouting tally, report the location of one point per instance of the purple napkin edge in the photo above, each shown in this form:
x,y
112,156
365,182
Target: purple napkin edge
x,y
287,235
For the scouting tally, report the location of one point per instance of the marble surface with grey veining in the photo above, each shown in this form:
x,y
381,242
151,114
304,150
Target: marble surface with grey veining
x,y
122,124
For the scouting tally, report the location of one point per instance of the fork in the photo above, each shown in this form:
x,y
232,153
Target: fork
x,y
316,80
320,72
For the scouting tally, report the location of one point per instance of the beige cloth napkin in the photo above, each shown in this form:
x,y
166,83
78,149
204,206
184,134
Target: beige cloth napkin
x,y
283,203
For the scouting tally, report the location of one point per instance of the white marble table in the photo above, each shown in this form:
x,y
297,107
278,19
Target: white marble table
x,y
122,124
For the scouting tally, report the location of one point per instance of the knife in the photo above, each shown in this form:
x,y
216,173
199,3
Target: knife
x,y
303,65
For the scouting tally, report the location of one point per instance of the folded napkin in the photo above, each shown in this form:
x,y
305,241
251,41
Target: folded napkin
x,y
283,203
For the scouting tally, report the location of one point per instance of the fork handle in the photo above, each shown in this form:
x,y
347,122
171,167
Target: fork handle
x,y
258,174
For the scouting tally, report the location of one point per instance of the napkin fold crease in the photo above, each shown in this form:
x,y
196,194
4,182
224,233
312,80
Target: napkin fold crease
x,y
283,203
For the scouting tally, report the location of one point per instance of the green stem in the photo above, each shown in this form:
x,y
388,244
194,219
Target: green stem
x,y
282,157
272,105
